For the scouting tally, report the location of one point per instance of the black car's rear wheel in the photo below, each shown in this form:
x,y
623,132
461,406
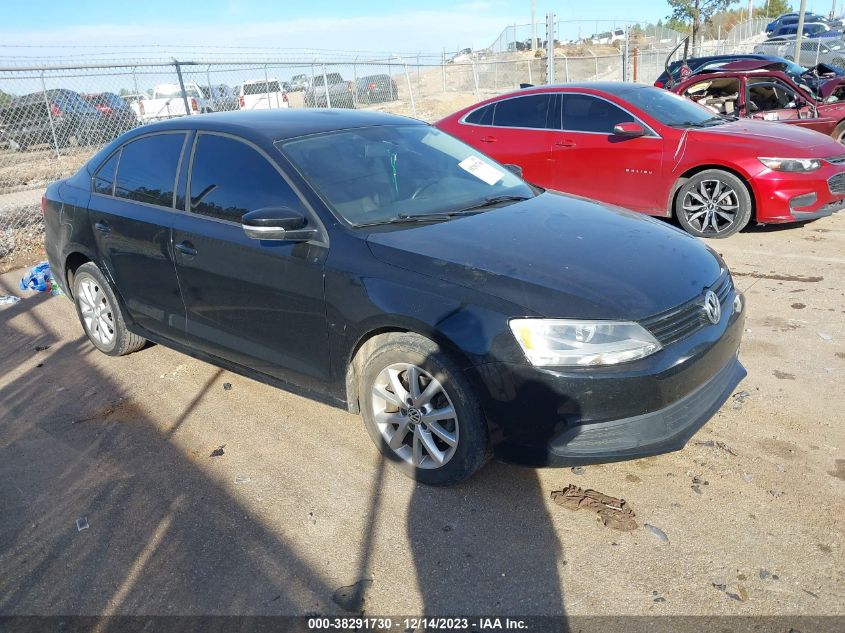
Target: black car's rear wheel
x,y
713,204
100,315
421,411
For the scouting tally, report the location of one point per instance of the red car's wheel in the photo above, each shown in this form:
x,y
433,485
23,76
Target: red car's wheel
x,y
713,204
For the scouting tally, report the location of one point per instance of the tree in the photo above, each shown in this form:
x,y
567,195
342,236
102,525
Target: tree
x,y
696,12
773,8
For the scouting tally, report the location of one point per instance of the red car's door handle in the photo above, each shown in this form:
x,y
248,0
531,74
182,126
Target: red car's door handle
x,y
488,139
565,143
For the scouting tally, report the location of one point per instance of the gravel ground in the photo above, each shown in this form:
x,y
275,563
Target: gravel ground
x,y
299,507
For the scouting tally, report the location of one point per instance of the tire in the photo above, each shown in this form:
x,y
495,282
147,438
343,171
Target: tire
x,y
839,133
394,359
730,212
100,313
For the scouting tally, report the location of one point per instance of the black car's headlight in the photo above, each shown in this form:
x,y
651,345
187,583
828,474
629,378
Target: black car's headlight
x,y
576,343
792,164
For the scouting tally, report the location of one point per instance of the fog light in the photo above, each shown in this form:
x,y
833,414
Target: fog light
x,y
804,200
737,304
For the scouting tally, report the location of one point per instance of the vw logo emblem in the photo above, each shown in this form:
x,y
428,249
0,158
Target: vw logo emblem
x,y
414,415
712,307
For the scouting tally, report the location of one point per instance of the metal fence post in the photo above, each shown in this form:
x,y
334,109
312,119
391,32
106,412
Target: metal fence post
x,y
135,79
531,81
566,68
475,77
495,75
550,48
443,68
182,86
410,90
326,87
267,88
210,89
49,114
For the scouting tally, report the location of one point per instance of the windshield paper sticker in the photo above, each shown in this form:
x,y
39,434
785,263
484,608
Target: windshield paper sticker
x,y
481,170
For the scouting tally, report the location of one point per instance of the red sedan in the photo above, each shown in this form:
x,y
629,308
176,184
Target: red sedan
x,y
652,151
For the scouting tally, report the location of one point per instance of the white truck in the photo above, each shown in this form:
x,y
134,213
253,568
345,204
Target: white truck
x,y
262,94
167,102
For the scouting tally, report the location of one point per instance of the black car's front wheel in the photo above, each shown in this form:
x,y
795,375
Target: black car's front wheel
x,y
713,204
421,411
100,315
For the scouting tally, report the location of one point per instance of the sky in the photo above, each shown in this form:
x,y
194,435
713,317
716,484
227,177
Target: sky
x,y
368,25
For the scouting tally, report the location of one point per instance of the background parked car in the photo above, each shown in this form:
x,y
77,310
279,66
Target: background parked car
x,y
791,19
375,89
168,102
645,149
701,64
221,97
813,51
262,94
33,119
116,115
331,87
298,83
811,29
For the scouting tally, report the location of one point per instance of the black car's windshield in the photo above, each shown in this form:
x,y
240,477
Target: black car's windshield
x,y
669,108
395,173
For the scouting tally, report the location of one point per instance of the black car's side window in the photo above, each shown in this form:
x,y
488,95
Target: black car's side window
x,y
529,111
103,180
585,113
229,178
147,169
482,116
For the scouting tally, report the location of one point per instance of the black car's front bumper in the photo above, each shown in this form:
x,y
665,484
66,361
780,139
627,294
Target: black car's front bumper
x,y
560,418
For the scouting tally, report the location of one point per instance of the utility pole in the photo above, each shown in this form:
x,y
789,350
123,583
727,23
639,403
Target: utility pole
x,y
750,9
799,33
534,26
833,10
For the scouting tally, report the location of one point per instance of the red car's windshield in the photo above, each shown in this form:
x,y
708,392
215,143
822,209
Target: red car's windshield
x,y
669,108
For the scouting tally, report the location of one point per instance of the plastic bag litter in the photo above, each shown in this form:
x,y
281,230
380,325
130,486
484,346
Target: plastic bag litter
x,y
8,300
38,278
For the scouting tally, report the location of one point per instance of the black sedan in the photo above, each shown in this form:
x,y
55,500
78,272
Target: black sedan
x,y
380,265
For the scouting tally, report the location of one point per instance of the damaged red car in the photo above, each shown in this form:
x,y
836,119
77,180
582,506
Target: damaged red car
x,y
761,90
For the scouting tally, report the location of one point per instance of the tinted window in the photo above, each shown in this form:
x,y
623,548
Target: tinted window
x,y
583,113
482,116
147,169
103,181
230,178
527,111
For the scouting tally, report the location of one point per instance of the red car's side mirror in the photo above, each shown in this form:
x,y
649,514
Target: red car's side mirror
x,y
629,129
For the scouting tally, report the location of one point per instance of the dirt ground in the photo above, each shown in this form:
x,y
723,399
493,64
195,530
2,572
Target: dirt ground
x,y
299,507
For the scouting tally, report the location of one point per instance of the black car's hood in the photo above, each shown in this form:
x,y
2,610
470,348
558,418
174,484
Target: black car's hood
x,y
559,256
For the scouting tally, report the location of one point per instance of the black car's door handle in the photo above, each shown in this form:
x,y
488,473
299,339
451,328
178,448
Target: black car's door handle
x,y
186,248
102,226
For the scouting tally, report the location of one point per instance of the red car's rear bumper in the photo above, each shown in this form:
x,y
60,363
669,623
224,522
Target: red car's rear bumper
x,y
793,197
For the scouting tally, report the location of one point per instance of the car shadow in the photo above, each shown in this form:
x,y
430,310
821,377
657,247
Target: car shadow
x,y
103,515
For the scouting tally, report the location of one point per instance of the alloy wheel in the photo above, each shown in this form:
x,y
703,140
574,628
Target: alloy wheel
x,y
97,314
712,208
415,415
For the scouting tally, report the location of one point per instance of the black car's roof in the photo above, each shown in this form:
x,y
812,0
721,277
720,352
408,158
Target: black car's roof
x,y
273,125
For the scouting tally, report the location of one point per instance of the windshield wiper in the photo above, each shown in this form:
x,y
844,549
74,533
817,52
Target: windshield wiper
x,y
716,120
405,218
489,202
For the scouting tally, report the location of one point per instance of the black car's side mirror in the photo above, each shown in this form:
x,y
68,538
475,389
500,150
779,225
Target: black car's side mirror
x,y
514,169
277,223
629,129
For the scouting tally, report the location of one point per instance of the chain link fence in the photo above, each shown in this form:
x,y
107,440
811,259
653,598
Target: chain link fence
x,y
53,118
